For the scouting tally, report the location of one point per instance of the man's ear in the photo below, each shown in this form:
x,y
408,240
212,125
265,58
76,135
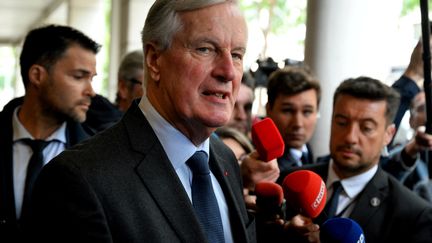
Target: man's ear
x,y
389,133
37,75
152,56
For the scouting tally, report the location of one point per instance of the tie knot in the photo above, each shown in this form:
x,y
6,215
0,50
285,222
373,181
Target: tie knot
x,y
337,186
37,145
198,163
304,158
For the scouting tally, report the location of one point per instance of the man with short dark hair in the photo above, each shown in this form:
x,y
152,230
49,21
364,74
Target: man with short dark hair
x,y
293,101
362,125
58,64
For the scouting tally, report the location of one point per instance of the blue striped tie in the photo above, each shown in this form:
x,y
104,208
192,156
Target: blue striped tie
x,y
332,204
203,198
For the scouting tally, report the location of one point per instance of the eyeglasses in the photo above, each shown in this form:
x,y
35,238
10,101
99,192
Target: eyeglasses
x,y
135,81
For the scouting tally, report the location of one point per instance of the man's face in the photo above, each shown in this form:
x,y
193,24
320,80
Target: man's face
x,y
194,83
295,117
359,132
66,89
241,118
418,111
129,90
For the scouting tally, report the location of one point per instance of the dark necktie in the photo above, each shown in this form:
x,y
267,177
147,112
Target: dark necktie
x,y
203,198
304,158
332,204
34,167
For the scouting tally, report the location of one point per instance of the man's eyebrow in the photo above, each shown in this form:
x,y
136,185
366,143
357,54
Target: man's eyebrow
x,y
240,48
84,71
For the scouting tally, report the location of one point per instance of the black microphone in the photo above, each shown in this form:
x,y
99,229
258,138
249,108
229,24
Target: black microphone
x,y
341,230
270,201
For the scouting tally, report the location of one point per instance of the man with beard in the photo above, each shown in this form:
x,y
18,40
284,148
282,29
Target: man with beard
x,y
58,64
362,125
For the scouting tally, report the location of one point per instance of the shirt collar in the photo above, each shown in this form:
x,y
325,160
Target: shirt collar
x,y
352,185
20,132
176,145
296,153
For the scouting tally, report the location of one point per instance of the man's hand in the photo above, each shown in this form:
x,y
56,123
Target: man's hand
x,y
254,170
303,226
421,142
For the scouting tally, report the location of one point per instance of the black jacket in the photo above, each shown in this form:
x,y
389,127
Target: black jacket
x,y
9,226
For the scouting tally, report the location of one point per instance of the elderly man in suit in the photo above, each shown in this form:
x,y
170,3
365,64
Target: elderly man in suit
x,y
136,181
362,124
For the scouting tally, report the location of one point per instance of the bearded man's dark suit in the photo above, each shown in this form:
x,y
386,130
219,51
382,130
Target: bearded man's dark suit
x,y
9,226
386,210
120,186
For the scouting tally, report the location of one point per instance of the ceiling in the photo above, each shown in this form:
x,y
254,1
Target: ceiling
x,y
17,17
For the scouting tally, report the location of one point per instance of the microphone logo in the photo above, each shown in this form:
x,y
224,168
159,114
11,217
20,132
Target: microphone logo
x,y
361,239
320,196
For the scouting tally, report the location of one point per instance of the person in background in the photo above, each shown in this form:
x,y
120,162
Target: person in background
x,y
159,175
130,79
411,155
236,141
362,125
293,99
410,83
241,119
58,64
102,113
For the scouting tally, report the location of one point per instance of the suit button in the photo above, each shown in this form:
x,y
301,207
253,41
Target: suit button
x,y
2,221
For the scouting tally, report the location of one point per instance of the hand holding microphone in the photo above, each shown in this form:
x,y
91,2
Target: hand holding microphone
x,y
305,192
270,201
267,140
269,146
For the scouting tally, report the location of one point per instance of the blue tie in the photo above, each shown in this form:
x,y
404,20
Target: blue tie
x,y
203,198
332,204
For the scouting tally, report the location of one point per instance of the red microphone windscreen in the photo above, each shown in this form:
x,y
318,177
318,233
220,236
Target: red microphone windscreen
x,y
269,191
267,140
306,192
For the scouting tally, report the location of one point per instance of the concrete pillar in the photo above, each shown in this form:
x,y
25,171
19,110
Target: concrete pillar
x,y
90,18
127,21
347,39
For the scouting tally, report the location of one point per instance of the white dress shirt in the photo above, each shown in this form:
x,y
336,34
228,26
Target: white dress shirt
x,y
179,149
22,152
351,188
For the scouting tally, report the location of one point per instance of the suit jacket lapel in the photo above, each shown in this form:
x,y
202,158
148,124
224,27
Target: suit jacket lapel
x,y
155,168
369,200
228,176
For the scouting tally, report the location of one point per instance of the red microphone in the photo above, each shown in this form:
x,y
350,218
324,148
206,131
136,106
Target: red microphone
x,y
267,140
305,192
270,200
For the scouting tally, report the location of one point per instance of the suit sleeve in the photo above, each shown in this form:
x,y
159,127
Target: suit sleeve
x,y
65,208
